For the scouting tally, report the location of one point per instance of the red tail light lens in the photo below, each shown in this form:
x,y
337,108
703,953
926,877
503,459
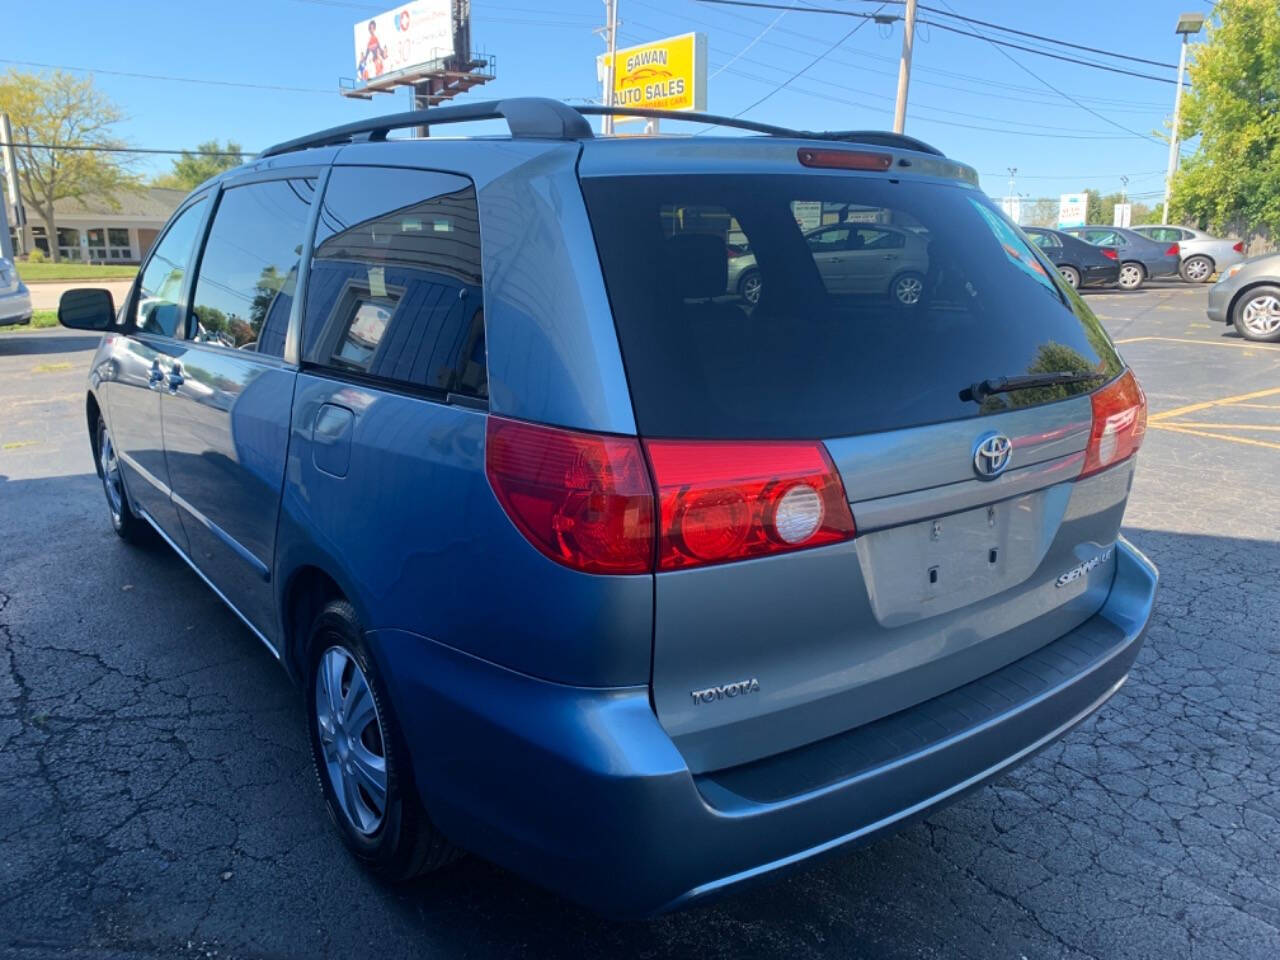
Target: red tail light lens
x,y
1119,424
1110,253
1238,246
583,500
844,159
720,501
1173,251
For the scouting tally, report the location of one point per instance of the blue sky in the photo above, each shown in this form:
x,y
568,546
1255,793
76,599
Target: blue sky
x,y
966,98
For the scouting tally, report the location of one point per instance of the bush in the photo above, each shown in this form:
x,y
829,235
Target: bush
x,y
36,256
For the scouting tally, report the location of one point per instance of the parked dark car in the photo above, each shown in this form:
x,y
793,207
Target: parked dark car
x,y
584,566
1141,258
1248,295
1081,264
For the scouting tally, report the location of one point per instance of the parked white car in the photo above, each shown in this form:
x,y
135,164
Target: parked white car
x,y
15,299
1202,255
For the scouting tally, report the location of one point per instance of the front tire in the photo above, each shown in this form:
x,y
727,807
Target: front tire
x,y
1131,275
1256,314
127,524
360,756
1196,269
1071,275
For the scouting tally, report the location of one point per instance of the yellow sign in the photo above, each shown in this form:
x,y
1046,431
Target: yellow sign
x,y
668,74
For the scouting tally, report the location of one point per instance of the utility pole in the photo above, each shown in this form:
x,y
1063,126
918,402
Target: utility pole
x,y
13,204
611,42
1124,188
1188,24
904,67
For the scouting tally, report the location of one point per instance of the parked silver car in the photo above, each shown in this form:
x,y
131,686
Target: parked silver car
x,y
15,299
1202,254
1248,295
867,258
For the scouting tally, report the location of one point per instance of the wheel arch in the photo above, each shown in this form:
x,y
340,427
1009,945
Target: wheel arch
x,y
307,588
1240,295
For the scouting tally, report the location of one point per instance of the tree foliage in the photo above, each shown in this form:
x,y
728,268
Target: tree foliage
x,y
194,167
1234,107
58,111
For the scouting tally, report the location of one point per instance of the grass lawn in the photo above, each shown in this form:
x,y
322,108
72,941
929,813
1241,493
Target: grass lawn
x,y
40,320
35,272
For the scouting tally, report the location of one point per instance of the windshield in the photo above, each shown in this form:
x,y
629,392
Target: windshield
x,y
794,306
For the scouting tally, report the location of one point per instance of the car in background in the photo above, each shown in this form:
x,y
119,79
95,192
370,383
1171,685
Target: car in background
x,y
1141,258
1081,264
1202,254
852,258
1248,295
15,299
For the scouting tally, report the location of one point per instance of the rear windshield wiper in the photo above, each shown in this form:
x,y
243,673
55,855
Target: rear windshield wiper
x,y
987,388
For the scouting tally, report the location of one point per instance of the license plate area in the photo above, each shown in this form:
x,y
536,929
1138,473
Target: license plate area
x,y
932,566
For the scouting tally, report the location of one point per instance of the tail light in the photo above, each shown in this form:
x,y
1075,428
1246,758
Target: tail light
x,y
720,501
1119,424
583,500
1173,251
1110,253
1238,246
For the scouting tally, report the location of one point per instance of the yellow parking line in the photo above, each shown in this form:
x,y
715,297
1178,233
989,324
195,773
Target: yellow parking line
x,y
1225,401
1258,406
1215,436
1203,343
1222,426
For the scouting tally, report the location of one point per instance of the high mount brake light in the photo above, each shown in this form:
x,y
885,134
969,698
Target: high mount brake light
x,y
584,500
720,501
844,159
1119,424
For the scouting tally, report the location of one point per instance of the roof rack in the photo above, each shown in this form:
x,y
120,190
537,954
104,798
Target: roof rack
x,y
546,119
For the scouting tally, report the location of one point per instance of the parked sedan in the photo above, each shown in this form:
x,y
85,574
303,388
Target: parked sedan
x,y
15,300
1081,264
1141,258
1202,255
1248,295
852,258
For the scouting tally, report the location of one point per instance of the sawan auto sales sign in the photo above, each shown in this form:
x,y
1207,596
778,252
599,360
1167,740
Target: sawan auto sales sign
x,y
668,74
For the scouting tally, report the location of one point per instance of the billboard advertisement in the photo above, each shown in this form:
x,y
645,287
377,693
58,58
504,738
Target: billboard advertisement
x,y
669,74
1073,210
411,35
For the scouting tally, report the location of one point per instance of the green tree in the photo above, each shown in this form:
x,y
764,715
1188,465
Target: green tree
x,y
50,113
193,168
1234,107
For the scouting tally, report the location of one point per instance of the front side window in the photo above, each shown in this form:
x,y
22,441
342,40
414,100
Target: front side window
x,y
395,283
249,270
157,307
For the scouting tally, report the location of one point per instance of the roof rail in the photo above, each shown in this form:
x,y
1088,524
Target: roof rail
x,y
535,117
543,118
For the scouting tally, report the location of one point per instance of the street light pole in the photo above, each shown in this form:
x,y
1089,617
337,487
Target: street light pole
x,y
1188,24
904,67
611,39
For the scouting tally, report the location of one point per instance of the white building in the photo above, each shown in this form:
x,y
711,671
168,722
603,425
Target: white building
x,y
91,231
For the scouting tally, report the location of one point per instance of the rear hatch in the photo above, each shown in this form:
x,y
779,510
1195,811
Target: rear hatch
x,y
867,316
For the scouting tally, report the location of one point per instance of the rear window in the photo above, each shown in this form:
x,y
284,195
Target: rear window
x,y
784,307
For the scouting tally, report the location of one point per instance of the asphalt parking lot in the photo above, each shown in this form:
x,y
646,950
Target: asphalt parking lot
x,y
157,798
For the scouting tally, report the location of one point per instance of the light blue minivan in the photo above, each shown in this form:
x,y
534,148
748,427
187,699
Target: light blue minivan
x,y
586,562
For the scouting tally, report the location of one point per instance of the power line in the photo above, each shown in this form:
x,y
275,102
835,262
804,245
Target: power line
x,y
951,29
156,76
754,40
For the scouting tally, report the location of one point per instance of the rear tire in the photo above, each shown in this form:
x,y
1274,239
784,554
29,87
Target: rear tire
x,y
1131,275
1197,269
749,287
360,756
1256,314
907,289
1071,275
127,524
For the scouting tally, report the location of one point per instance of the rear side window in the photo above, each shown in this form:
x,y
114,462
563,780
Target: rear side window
x,y
802,306
1046,241
394,290
249,269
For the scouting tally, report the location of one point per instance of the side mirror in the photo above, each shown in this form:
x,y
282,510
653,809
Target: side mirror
x,y
88,308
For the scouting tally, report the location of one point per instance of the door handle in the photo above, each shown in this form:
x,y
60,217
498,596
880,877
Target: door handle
x,y
157,375
175,378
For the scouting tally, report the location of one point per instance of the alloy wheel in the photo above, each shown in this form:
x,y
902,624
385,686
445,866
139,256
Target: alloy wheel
x,y
111,481
908,290
1130,276
1197,269
1261,315
1069,274
751,287
351,737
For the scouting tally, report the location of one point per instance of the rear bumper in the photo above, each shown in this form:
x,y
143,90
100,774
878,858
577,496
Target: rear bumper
x,y
15,308
582,791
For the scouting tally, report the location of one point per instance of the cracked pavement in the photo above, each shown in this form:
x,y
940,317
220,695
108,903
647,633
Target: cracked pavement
x,y
157,797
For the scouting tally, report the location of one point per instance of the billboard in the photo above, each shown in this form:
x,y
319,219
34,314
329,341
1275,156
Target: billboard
x,y
411,35
1123,215
1073,210
669,74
